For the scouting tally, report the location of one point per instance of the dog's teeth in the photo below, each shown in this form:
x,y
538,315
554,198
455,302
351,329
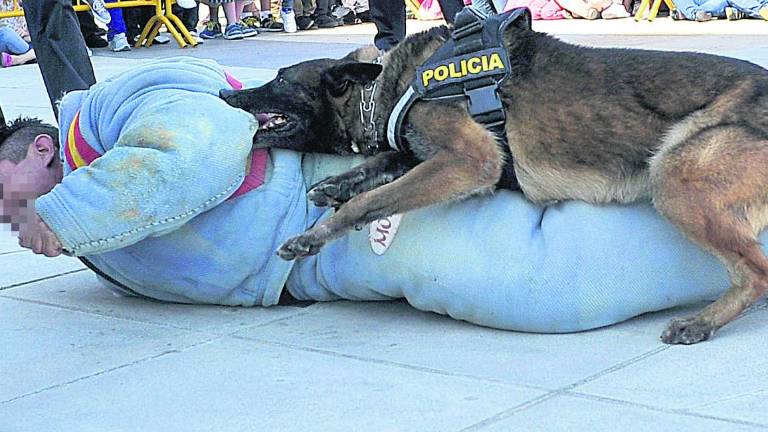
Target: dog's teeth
x,y
355,148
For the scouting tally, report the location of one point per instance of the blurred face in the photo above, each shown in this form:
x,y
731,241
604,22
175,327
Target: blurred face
x,y
22,183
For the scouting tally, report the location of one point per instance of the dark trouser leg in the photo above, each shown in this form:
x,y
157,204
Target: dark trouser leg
x,y
450,8
389,17
59,46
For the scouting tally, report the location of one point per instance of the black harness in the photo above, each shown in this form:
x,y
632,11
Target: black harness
x,y
472,64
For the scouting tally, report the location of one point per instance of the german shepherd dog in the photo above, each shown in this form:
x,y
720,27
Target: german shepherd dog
x,y
582,123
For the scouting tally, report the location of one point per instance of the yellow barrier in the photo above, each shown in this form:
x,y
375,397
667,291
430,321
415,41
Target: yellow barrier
x,y
654,9
163,17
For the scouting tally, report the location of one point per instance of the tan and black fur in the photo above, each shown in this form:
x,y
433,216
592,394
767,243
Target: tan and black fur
x,y
582,123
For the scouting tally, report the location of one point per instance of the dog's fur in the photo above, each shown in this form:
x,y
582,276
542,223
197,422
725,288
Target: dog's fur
x,y
687,130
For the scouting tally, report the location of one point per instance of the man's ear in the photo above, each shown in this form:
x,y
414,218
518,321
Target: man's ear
x,y
43,149
341,76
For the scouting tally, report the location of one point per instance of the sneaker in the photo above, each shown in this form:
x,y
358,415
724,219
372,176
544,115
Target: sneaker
x,y
351,19
161,40
702,16
251,22
763,12
289,21
592,14
234,31
186,4
733,14
340,12
304,22
325,21
677,15
212,30
269,24
93,41
196,37
100,11
247,31
119,43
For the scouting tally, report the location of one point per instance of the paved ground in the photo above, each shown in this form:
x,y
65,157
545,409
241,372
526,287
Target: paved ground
x,y
75,358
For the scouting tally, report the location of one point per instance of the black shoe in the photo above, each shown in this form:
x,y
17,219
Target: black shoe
x,y
94,41
304,22
351,18
364,16
325,21
702,16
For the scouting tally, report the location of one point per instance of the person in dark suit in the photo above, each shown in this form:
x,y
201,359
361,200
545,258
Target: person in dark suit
x,y
389,17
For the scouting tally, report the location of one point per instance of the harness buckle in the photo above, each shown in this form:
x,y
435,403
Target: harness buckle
x,y
484,100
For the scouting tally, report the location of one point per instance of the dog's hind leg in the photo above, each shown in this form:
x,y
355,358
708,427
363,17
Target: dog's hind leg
x,y
466,159
713,187
377,171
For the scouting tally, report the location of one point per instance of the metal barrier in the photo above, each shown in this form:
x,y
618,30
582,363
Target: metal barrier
x,y
163,17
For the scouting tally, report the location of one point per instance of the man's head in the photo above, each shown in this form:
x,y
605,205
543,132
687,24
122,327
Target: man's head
x,y
30,165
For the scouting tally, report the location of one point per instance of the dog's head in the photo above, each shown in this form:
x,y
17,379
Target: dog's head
x,y
307,106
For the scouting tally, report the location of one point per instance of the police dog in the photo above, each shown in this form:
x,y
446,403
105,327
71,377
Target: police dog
x,y
581,123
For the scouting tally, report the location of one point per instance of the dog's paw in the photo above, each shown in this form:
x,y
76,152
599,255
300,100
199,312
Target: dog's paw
x,y
326,195
687,331
299,247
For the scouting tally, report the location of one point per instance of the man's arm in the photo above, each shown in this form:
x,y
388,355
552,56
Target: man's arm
x,y
169,165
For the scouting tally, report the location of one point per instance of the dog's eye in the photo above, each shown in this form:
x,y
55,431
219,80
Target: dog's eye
x,y
280,80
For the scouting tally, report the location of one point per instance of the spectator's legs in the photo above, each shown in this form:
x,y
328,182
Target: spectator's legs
x,y
714,7
750,7
688,8
61,52
116,24
389,17
450,8
11,42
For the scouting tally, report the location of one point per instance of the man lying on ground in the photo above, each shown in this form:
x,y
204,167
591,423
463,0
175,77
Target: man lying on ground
x,y
167,203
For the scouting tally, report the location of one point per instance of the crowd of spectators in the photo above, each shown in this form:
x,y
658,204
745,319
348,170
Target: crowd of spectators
x,y
247,18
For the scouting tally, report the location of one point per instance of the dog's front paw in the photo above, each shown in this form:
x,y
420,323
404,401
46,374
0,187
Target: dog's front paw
x,y
687,331
299,247
326,195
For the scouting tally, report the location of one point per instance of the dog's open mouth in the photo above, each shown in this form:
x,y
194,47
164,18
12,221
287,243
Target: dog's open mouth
x,y
273,122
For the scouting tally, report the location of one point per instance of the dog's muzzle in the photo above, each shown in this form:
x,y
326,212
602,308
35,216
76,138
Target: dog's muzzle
x,y
227,93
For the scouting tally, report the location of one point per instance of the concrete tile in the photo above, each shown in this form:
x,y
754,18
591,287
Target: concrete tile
x,y
44,346
733,363
8,242
82,291
238,385
25,266
396,332
748,407
568,414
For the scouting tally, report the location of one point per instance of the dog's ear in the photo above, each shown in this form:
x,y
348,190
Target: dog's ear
x,y
519,18
339,77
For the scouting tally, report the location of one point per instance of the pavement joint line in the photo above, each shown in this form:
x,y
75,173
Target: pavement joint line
x,y
112,369
389,363
12,252
503,415
20,284
726,399
300,313
684,412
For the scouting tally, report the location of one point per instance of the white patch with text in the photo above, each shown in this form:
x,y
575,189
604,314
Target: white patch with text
x,y
382,233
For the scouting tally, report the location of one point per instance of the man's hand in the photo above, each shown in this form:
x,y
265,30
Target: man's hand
x,y
34,234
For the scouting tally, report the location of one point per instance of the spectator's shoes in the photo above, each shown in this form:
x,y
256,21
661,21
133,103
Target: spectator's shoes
x,y
733,14
196,37
212,30
270,24
6,60
100,11
304,22
289,21
327,21
233,32
94,41
763,13
247,31
702,16
351,19
592,14
251,22
186,4
119,43
677,15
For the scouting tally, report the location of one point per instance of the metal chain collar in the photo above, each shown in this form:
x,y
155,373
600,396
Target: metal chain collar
x,y
368,115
